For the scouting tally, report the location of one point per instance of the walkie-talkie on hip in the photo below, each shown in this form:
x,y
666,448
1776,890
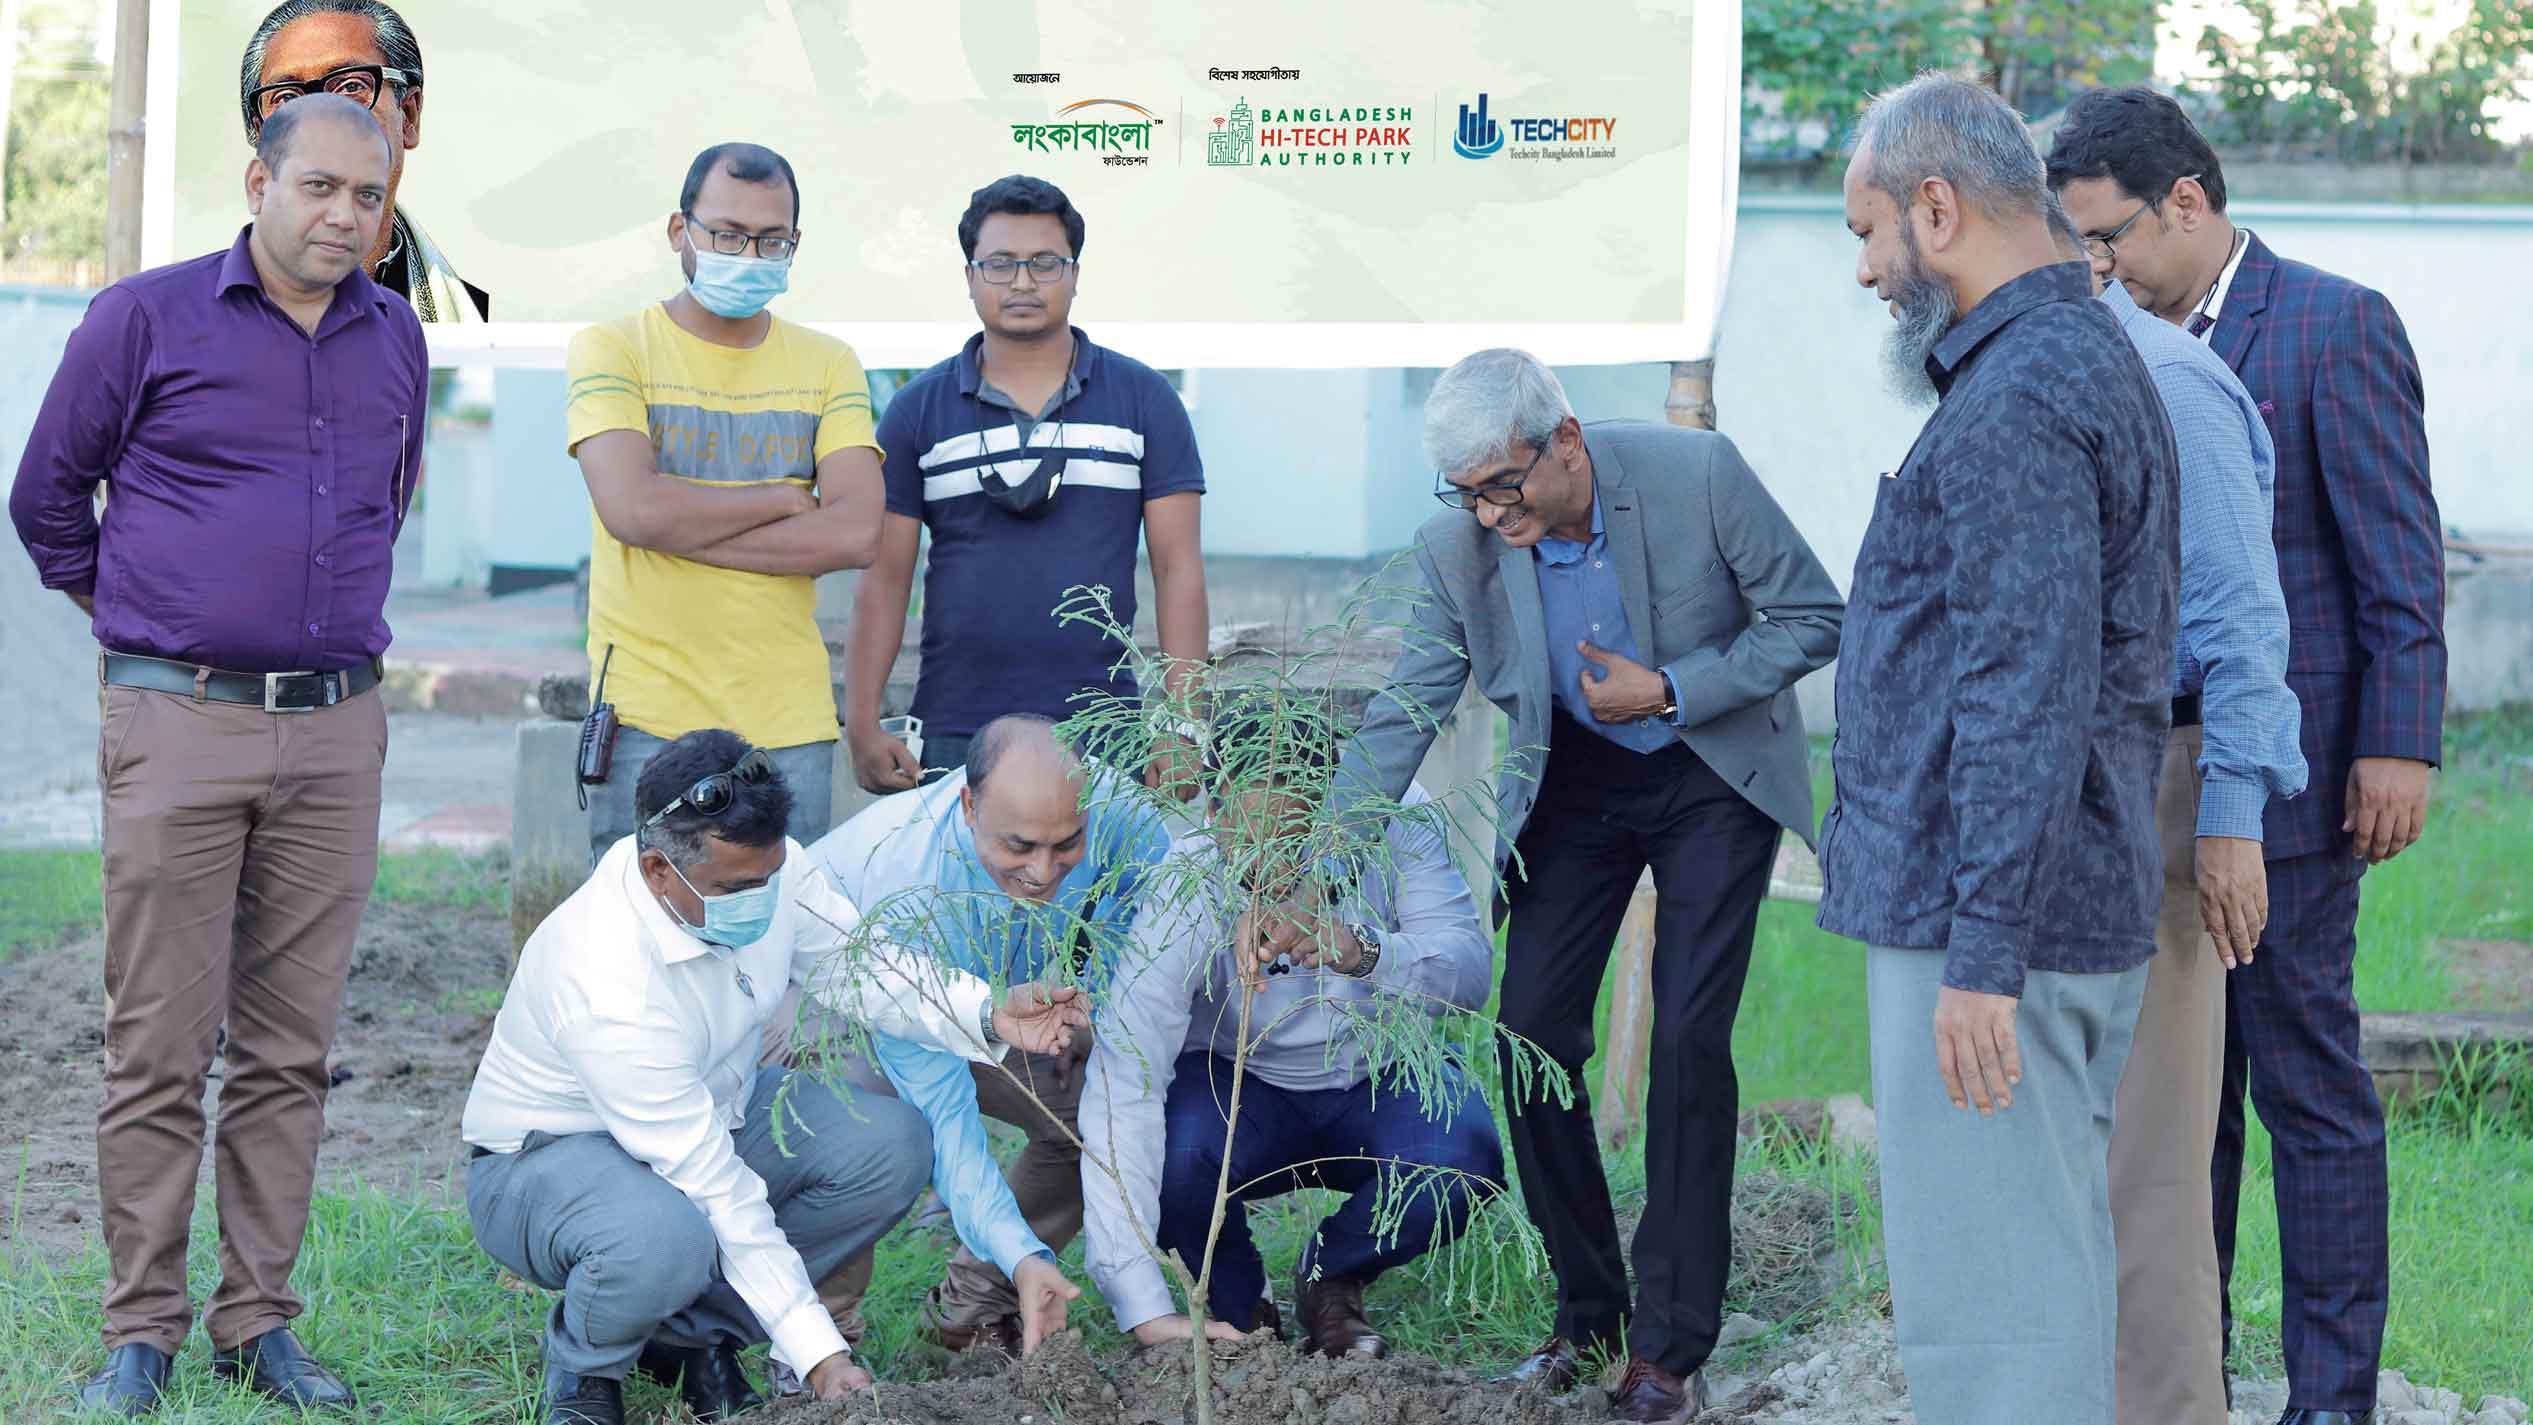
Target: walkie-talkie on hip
x,y
597,734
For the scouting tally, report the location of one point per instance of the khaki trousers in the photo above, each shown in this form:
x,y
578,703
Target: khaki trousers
x,y
1045,1176
2171,1369
240,846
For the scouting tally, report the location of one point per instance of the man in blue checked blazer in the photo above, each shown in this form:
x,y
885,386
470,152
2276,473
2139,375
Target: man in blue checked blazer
x,y
2361,561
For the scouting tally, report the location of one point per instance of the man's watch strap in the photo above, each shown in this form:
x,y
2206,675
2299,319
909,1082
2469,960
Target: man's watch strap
x,y
1370,957
985,1023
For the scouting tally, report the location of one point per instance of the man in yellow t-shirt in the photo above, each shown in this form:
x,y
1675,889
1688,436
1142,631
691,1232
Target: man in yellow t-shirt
x,y
730,460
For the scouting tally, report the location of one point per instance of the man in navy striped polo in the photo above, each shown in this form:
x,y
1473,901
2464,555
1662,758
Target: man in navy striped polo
x,y
1035,457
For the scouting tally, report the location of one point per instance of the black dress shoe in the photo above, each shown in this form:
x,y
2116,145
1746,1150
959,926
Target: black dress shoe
x,y
273,1365
134,1377
2299,1415
581,1400
708,1378
1649,1395
1555,1368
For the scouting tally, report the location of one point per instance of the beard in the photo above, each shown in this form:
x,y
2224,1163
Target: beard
x,y
1926,312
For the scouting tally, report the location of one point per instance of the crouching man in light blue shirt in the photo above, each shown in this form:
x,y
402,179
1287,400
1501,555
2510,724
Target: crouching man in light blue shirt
x,y
1401,937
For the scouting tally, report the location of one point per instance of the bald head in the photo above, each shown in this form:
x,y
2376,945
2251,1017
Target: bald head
x,y
1023,801
291,121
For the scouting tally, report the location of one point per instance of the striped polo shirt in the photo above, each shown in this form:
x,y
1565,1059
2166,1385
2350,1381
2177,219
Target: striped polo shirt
x,y
991,642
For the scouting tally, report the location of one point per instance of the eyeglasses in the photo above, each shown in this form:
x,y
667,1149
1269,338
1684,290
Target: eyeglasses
x,y
2101,247
730,242
359,83
714,794
1496,492
1046,267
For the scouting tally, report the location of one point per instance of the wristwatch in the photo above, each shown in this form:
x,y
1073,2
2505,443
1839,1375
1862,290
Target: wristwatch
x,y
985,1023
1370,940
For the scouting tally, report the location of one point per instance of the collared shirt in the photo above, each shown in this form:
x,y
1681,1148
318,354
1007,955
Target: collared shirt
x,y
993,580
257,475
2203,322
1580,599
620,1021
2005,671
2233,646
911,859
1179,991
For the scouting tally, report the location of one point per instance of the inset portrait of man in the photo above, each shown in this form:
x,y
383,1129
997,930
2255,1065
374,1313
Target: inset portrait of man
x,y
364,51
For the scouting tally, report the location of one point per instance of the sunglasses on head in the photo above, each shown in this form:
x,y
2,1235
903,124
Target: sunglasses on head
x,y
713,795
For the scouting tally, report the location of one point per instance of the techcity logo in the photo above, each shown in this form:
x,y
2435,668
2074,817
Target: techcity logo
x,y
1477,136
1481,136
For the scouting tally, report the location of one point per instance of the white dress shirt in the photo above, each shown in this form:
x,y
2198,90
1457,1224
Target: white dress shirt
x,y
2215,306
1179,991
620,1021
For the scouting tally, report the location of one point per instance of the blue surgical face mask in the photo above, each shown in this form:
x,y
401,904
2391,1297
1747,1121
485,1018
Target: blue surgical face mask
x,y
736,287
736,920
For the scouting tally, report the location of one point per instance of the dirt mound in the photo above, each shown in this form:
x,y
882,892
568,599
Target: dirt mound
x,y
1255,1382
424,981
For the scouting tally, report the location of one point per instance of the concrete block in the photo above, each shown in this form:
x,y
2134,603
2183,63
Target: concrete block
x,y
549,833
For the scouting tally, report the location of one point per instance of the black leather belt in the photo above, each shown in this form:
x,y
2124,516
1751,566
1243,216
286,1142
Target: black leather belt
x,y
273,692
2185,710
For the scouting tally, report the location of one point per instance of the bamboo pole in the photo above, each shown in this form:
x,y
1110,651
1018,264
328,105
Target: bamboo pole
x,y
124,137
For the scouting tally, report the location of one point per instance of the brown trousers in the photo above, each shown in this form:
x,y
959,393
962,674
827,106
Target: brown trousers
x,y
2171,1370
240,846
1045,1177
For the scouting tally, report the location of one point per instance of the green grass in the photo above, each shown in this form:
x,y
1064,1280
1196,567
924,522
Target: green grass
x,y
48,896
421,1322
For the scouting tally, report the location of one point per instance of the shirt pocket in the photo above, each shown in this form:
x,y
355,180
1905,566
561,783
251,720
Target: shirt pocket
x,y
1903,547
372,468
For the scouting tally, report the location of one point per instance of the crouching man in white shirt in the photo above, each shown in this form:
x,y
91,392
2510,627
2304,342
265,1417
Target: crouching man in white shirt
x,y
1402,936
631,1154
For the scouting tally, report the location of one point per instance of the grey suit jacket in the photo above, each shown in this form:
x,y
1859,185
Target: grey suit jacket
x,y
1721,593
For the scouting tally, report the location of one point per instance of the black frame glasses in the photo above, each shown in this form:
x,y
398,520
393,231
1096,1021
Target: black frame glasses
x,y
730,242
1494,492
379,76
711,796
2103,247
1045,267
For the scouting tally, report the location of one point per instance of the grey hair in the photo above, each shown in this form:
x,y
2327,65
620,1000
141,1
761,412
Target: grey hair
x,y
1486,403
396,44
683,847
1942,126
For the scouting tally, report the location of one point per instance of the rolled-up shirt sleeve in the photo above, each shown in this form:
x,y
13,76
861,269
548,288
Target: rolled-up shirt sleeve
x,y
1438,952
640,1079
1142,1025
964,1172
889,988
79,433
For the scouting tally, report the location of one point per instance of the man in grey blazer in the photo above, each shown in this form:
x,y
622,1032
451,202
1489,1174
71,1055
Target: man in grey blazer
x,y
1633,599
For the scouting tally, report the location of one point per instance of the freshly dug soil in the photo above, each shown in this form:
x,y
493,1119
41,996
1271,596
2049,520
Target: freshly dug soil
x,y
415,1017
1259,1381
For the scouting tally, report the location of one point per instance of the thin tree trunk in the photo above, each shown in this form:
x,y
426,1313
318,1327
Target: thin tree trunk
x,y
123,137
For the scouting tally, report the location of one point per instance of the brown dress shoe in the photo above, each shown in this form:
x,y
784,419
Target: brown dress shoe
x,y
1333,1322
1649,1395
1555,1368
1000,1333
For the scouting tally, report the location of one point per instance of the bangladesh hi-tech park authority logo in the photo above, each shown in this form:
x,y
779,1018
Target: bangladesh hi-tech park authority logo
x,y
1478,136
1234,141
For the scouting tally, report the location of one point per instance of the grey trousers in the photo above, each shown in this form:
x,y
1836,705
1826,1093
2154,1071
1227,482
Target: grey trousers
x,y
808,769
636,1261
1998,1230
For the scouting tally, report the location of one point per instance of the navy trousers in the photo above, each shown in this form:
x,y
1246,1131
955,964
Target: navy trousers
x,y
1376,1141
2291,1037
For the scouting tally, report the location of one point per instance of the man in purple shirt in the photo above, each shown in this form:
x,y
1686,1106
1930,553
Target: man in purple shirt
x,y
256,415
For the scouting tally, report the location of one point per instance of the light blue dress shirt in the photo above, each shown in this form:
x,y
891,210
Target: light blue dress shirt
x,y
889,861
2232,648
1580,599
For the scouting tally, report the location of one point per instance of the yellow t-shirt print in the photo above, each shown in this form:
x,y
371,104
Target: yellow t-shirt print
x,y
697,646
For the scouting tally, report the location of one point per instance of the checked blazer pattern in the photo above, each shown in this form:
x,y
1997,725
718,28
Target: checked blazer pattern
x,y
2360,548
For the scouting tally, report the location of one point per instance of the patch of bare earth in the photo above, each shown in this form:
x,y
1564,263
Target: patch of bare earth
x,y
415,1015
2490,974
